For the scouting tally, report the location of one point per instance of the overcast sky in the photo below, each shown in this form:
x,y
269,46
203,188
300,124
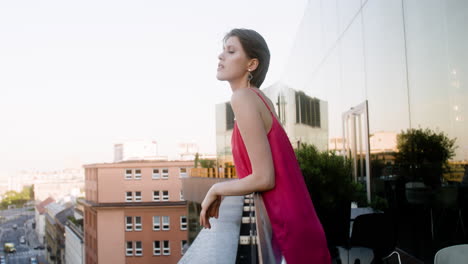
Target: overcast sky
x,y
76,77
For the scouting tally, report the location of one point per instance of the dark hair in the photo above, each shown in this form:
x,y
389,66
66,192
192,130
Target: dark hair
x,y
255,47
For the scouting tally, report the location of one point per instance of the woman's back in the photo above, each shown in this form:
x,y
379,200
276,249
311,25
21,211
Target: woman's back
x,y
296,227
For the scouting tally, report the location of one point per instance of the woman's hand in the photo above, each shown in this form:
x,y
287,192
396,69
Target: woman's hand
x,y
210,207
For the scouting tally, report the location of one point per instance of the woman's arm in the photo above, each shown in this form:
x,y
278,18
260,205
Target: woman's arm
x,y
245,104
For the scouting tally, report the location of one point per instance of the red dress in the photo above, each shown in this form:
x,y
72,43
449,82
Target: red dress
x,y
297,231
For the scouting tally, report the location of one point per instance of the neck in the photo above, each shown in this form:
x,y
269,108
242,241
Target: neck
x,y
239,84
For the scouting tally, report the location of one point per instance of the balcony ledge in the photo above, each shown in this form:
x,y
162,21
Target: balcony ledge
x,y
218,244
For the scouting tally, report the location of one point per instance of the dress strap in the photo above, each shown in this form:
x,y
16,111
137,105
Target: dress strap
x,y
261,97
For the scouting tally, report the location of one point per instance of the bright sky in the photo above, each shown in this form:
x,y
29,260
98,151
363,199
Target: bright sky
x,y
78,76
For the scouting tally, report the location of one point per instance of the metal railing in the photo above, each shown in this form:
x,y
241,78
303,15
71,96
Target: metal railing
x,y
266,254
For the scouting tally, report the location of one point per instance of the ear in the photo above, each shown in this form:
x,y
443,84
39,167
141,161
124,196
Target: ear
x,y
253,64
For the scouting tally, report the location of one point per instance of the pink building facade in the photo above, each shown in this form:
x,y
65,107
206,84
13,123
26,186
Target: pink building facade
x,y
134,212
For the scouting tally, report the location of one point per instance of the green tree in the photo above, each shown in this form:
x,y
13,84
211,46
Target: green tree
x,y
328,178
197,159
423,154
17,198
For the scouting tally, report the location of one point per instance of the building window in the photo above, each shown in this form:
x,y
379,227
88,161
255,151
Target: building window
x,y
128,174
137,196
157,248
156,174
138,248
183,172
182,245
128,196
138,223
128,223
307,110
129,250
165,173
156,196
156,223
181,196
166,220
281,104
166,248
165,196
183,222
138,174
229,117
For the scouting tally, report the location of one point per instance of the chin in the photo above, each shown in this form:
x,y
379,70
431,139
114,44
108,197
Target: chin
x,y
220,77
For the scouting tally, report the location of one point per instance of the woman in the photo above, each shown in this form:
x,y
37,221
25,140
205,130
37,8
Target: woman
x,y
263,155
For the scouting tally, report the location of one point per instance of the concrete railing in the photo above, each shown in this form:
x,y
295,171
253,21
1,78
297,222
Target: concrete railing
x,y
221,243
218,244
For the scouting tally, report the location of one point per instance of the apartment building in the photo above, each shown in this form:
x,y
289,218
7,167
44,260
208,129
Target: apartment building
x,y
134,212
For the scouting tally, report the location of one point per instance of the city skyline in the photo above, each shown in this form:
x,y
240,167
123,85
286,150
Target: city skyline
x,y
77,78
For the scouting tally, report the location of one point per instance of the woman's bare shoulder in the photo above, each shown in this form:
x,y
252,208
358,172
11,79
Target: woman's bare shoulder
x,y
242,97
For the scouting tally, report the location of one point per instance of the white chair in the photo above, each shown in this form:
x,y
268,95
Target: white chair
x,y
457,254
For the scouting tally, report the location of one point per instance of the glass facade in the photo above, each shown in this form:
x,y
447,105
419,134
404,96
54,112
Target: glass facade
x,y
406,58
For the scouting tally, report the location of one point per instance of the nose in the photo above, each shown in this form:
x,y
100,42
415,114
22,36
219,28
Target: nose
x,y
220,56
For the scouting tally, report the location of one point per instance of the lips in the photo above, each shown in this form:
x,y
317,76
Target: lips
x,y
220,67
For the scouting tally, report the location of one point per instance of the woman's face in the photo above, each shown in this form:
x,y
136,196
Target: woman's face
x,y
233,62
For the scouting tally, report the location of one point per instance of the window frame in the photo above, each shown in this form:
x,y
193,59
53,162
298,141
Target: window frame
x,y
183,174
156,176
165,175
182,246
138,251
158,223
128,226
128,176
128,250
137,198
157,248
168,223
137,226
137,176
186,222
128,199
168,248
158,196
165,198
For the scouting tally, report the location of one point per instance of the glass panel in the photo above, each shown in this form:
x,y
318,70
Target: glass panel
x,y
385,67
352,89
347,10
329,24
438,67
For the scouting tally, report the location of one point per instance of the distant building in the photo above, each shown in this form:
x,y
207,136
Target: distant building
x,y
187,151
56,216
137,150
40,211
64,184
74,239
380,142
61,190
134,212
